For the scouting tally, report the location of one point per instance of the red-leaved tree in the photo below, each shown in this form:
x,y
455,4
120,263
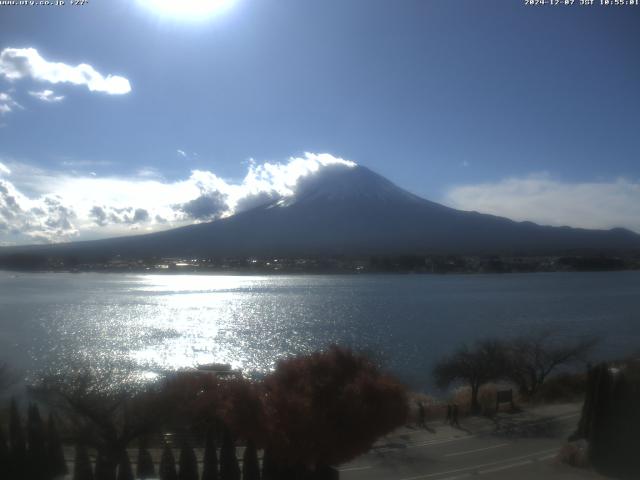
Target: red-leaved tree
x,y
329,407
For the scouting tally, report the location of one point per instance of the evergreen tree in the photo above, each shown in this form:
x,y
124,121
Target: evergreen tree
x,y
188,464
168,465
615,416
250,465
37,451
229,468
55,453
145,468
125,472
17,445
4,455
82,465
104,469
269,467
210,462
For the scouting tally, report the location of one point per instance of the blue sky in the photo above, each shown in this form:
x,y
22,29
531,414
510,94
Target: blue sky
x,y
528,112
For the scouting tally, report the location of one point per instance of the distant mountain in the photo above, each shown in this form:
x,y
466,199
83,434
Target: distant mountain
x,y
354,211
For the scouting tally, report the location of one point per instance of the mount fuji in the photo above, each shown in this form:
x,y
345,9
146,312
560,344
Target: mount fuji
x,y
350,210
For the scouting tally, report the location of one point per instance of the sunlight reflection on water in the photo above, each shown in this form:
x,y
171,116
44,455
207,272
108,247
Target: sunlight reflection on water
x,y
147,324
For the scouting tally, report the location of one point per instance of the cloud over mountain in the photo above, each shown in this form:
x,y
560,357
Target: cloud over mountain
x,y
544,200
52,206
60,206
44,219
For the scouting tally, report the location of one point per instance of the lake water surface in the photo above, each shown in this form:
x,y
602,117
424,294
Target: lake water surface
x,y
151,323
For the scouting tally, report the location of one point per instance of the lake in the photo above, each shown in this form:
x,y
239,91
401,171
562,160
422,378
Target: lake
x,y
146,324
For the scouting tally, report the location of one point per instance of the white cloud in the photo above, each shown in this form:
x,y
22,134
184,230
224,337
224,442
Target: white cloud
x,y
47,96
541,199
7,103
43,219
19,63
87,206
182,153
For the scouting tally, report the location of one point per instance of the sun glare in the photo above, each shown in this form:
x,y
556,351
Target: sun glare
x,y
187,9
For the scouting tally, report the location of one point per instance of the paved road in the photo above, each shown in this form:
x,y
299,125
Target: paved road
x,y
522,446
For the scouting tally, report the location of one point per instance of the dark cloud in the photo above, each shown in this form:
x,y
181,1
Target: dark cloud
x,y
206,207
102,216
140,216
99,216
41,220
7,200
9,207
58,217
256,200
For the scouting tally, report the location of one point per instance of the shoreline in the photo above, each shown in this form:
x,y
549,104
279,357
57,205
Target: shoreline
x,y
279,273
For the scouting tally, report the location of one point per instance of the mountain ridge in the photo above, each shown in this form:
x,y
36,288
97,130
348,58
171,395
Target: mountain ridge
x,y
351,210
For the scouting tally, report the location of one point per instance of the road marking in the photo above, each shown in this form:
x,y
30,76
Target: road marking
x,y
547,457
457,477
438,442
505,467
490,464
476,450
425,444
354,469
559,418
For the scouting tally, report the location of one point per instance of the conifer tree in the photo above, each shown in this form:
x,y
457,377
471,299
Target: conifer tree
x,y
55,454
168,465
17,445
250,465
269,467
229,468
125,472
104,469
210,461
188,464
4,455
37,451
145,468
82,465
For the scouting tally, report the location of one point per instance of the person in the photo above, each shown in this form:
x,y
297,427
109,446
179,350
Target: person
x,y
454,416
448,413
421,414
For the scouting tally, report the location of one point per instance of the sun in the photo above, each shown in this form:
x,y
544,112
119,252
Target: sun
x,y
186,9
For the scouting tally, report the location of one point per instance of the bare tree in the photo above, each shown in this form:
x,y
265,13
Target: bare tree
x,y
475,366
533,358
99,414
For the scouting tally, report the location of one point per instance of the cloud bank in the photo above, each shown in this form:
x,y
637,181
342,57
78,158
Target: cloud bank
x,y
39,206
541,199
42,206
40,219
19,63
